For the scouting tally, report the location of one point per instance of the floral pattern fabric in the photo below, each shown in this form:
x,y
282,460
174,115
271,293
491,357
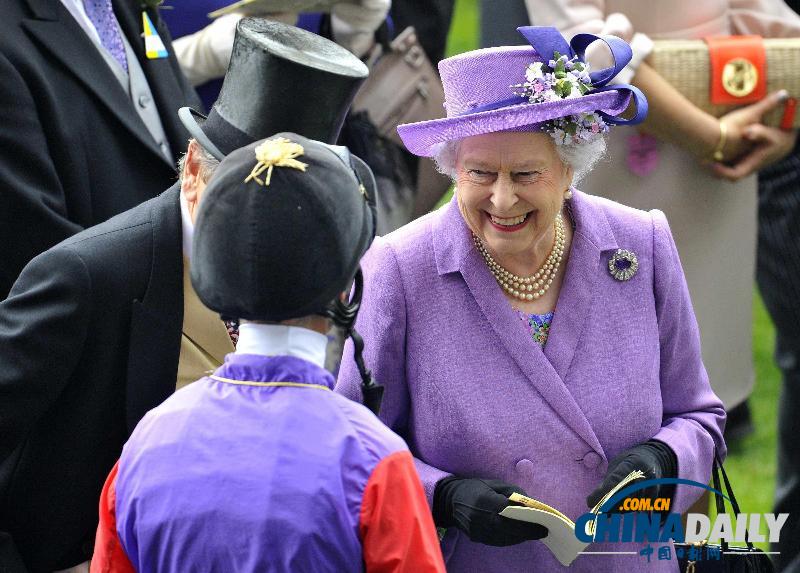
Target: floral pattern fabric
x,y
539,325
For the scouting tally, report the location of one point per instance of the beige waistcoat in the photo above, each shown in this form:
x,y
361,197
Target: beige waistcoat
x,y
204,338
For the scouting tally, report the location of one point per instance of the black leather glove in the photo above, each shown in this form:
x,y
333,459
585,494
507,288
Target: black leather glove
x,y
656,459
473,506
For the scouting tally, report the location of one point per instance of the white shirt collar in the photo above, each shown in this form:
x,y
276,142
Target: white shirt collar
x,y
188,229
282,340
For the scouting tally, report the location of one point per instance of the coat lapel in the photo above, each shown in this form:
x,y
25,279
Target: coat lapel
x,y
58,33
591,240
157,318
455,252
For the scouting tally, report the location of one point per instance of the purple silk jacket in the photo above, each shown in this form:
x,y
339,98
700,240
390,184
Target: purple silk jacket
x,y
231,477
473,395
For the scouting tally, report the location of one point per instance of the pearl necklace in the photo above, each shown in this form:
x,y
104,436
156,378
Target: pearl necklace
x,y
534,286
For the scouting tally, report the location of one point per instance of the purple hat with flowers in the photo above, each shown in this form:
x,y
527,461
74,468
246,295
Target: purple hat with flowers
x,y
545,87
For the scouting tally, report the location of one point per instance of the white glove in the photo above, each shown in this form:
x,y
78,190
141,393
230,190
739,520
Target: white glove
x,y
205,54
354,23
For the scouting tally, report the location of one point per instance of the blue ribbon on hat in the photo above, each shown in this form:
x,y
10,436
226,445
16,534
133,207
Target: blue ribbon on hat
x,y
548,40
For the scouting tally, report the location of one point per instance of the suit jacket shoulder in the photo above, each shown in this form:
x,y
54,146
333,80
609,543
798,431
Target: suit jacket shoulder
x,y
82,317
121,250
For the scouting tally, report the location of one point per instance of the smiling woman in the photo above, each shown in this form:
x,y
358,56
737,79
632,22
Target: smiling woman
x,y
532,338
510,190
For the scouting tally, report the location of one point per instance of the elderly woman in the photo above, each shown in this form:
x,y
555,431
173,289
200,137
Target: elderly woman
x,y
531,337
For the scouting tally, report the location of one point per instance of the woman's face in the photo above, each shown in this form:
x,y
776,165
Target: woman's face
x,y
510,187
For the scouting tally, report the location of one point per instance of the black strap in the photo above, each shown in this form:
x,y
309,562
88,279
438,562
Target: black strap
x,y
716,469
720,501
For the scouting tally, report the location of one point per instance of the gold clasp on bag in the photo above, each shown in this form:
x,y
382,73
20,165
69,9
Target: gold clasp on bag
x,y
738,66
739,77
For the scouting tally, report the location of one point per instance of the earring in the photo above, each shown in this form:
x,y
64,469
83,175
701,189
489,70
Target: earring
x,y
568,194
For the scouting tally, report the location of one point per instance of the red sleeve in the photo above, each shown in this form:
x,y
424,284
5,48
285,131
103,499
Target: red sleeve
x,y
396,527
109,555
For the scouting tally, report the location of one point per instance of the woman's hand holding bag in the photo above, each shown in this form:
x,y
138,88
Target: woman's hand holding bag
x,y
473,505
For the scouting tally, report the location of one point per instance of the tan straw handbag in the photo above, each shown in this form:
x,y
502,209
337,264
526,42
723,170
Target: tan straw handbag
x,y
723,73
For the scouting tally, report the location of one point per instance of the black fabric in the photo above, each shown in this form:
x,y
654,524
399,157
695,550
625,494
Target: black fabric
x,y
10,561
285,250
473,505
73,150
778,278
392,171
736,560
499,21
656,459
89,341
430,18
224,135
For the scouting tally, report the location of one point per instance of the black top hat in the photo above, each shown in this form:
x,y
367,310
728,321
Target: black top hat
x,y
281,229
280,78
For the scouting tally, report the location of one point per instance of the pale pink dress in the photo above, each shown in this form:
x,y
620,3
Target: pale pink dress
x,y
713,222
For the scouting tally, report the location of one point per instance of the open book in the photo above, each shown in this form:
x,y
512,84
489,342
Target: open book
x,y
561,538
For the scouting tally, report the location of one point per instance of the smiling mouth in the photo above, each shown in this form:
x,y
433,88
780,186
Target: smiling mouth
x,y
509,223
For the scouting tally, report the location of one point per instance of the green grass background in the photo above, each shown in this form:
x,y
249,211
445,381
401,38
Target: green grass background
x,y
751,462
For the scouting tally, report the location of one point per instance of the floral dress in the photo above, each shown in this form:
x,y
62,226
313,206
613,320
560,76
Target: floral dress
x,y
539,325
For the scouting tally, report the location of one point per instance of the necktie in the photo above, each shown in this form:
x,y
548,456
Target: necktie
x,y
233,330
102,16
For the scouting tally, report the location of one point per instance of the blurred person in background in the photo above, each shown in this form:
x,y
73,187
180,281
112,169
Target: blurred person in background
x,y
106,325
499,20
430,18
90,91
778,274
711,204
530,337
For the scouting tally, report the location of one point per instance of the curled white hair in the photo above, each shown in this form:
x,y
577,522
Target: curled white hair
x,y
581,157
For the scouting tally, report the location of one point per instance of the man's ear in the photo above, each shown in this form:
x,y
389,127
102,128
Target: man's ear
x,y
191,175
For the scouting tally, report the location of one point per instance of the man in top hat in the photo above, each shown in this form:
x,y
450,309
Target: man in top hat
x,y
89,91
101,328
303,479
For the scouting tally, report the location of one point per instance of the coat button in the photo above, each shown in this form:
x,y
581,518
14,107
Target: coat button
x,y
591,460
525,467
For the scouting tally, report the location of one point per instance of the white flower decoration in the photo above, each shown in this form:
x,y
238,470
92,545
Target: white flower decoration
x,y
534,71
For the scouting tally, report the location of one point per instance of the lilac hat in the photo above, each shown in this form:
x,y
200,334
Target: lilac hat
x,y
480,94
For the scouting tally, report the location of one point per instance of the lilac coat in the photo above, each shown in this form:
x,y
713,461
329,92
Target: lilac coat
x,y
475,396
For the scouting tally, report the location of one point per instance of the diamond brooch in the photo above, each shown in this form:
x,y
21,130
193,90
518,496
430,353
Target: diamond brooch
x,y
623,265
